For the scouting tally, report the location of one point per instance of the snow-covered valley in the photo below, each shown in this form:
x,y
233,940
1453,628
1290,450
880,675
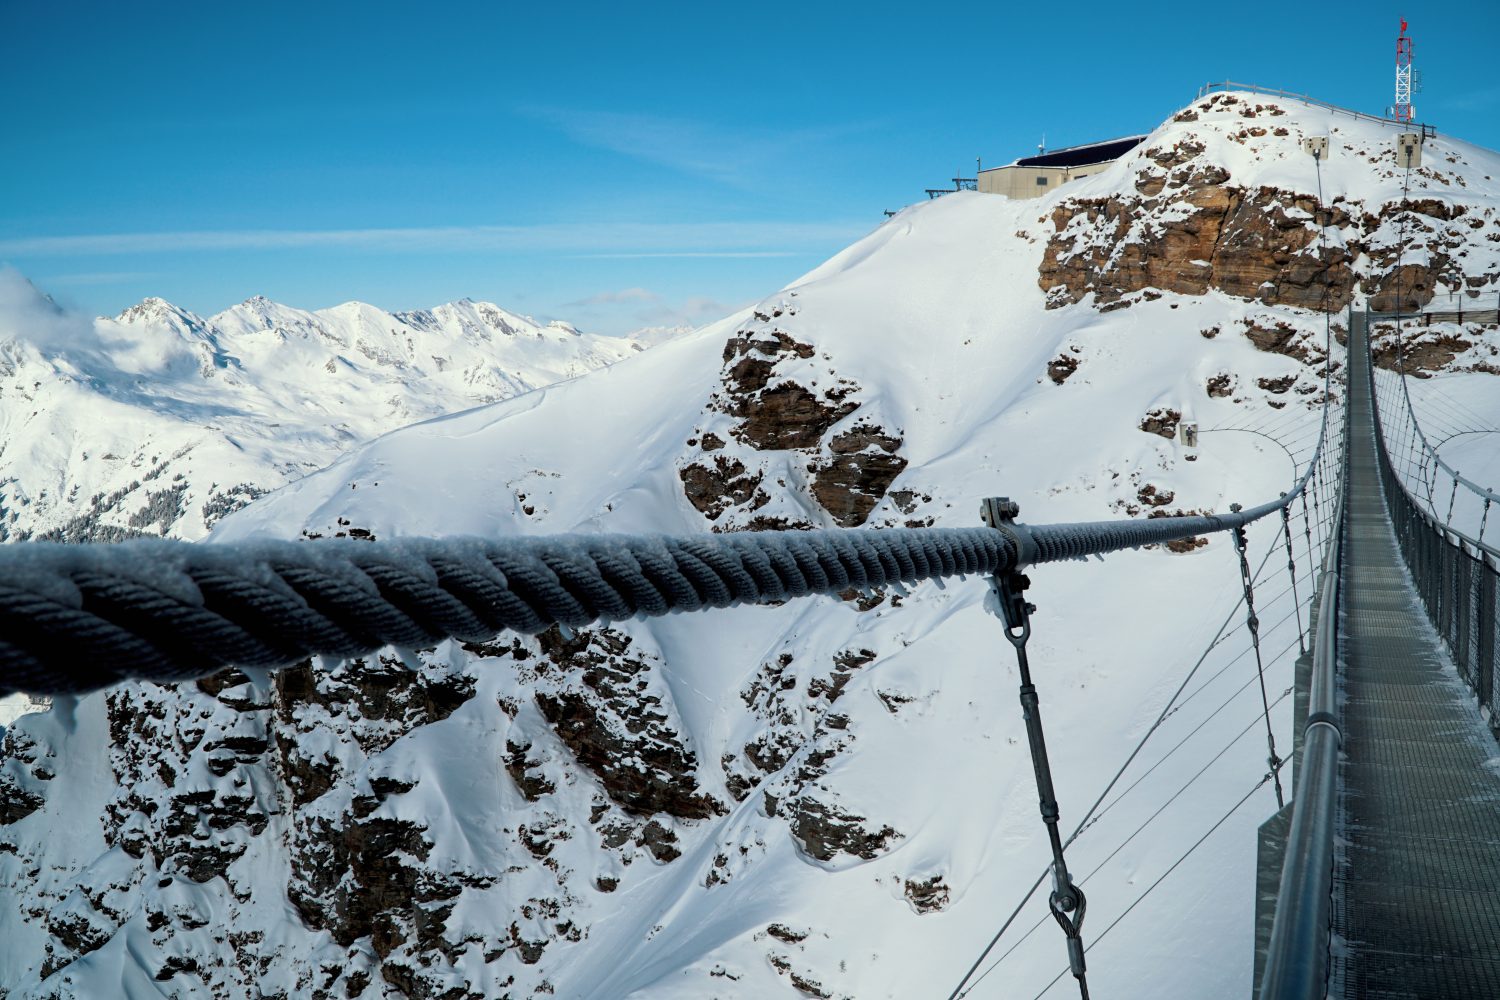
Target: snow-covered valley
x,y
829,798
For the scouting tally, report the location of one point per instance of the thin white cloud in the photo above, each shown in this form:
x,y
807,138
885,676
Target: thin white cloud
x,y
739,156
724,254
97,278
624,295
663,239
632,309
691,147
1473,100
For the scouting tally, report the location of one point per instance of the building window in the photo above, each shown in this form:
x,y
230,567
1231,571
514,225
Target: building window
x,y
1041,182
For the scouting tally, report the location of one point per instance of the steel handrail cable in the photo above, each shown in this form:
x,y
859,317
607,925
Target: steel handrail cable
x,y
1297,953
1429,516
1314,464
1297,948
75,618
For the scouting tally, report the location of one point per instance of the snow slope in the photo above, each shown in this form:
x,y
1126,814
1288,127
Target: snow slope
x,y
826,798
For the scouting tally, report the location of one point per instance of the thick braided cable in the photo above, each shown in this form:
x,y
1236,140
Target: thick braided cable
x,y
78,617
75,618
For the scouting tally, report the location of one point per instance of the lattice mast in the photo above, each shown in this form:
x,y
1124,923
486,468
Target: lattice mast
x,y
1402,110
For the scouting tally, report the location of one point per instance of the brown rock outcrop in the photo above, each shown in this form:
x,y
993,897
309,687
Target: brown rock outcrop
x,y
927,895
824,831
1060,367
784,415
771,392
862,466
1252,243
1220,385
615,727
1161,420
714,488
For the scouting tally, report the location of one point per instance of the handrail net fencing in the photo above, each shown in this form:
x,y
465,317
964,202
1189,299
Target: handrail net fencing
x,y
1440,518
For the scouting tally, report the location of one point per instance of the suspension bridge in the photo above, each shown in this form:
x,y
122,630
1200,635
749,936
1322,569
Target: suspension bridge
x,y
1376,869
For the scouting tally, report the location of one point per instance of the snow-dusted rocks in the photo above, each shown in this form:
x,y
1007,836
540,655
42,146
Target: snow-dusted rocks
x,y
770,413
1219,199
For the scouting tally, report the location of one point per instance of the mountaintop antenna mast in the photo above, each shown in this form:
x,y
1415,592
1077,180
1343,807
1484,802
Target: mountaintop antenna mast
x,y
1402,110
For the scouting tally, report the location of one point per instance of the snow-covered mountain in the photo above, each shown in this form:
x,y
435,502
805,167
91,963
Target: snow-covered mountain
x,y
828,798
159,421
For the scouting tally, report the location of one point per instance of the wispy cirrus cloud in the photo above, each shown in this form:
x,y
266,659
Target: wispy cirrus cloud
x,y
708,254
724,239
96,278
631,309
1485,99
738,156
621,297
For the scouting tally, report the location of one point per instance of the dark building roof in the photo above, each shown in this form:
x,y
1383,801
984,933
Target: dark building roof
x,y
1082,156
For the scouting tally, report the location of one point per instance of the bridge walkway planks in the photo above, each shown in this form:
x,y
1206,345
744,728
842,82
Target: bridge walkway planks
x,y
1417,883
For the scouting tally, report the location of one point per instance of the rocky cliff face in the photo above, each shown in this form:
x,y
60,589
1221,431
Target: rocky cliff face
x,y
770,412
1190,225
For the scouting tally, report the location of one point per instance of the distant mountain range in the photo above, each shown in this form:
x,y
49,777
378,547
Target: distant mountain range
x,y
159,421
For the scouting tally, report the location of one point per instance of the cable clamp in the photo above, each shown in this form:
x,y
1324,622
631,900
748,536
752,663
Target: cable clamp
x,y
1000,513
1068,906
1009,588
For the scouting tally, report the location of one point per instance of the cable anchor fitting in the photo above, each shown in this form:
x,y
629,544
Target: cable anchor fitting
x,y
1010,587
1068,906
1067,902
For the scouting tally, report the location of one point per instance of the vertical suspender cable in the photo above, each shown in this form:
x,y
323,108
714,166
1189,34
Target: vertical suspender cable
x,y
1252,623
1291,568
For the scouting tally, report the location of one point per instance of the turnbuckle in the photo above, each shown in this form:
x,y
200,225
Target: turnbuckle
x,y
1067,902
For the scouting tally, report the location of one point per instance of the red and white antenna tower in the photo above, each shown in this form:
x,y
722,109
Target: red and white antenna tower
x,y
1402,110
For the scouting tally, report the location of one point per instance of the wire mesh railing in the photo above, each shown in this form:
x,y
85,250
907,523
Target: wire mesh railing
x,y
1454,570
1459,503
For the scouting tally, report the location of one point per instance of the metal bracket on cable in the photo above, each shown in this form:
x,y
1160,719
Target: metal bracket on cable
x,y
1067,901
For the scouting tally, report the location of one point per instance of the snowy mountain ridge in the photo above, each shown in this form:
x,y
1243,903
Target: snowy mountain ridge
x,y
827,798
159,421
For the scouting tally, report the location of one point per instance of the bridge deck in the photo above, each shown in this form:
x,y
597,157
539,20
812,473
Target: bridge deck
x,y
1416,897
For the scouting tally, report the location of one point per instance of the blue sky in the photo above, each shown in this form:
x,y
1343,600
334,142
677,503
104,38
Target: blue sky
x,y
615,165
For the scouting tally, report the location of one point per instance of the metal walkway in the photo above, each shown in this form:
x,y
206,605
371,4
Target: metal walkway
x,y
1416,901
